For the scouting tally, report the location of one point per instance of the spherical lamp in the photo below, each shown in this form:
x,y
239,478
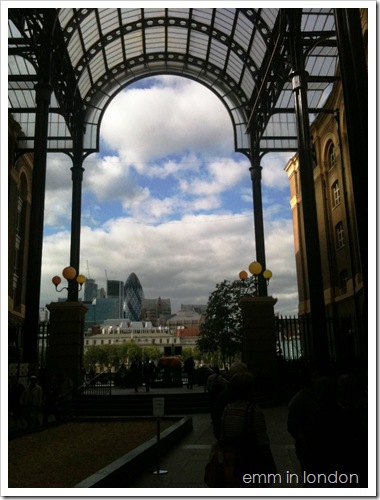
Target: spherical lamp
x,y
243,275
255,268
56,280
69,273
81,279
267,274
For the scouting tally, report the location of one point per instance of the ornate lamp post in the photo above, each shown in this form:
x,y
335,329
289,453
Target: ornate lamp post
x,y
256,270
70,274
65,354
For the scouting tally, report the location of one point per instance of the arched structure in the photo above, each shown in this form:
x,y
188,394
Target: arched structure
x,y
270,67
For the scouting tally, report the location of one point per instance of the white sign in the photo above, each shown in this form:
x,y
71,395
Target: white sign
x,y
158,407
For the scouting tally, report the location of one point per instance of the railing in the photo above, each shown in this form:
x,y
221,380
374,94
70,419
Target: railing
x,y
345,336
100,385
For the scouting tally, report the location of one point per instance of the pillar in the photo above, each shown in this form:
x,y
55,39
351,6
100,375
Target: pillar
x,y
66,332
43,91
76,211
255,170
33,279
259,340
309,207
354,73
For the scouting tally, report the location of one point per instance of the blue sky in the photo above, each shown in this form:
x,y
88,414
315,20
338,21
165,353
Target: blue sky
x,y
168,199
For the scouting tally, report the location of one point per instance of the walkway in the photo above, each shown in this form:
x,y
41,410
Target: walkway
x,y
185,464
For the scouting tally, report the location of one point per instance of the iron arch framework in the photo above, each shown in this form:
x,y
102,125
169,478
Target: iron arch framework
x,y
272,68
239,54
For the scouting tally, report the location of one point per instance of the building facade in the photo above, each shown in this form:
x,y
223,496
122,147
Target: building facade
x,y
20,172
337,223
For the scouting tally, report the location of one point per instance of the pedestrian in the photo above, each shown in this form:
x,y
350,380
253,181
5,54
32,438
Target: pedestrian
x,y
148,372
31,401
15,392
64,397
189,367
135,371
311,422
350,432
217,388
243,436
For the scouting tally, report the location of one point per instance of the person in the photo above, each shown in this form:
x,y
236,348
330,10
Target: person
x,y
15,392
149,369
189,369
243,436
135,371
217,388
31,401
312,423
64,397
351,430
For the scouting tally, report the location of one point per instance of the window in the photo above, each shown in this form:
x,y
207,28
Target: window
x,y
331,157
339,234
335,194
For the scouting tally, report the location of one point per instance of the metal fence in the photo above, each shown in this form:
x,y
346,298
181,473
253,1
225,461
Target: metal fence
x,y
346,338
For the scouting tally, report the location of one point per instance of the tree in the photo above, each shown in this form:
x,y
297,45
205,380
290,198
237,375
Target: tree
x,y
222,331
152,352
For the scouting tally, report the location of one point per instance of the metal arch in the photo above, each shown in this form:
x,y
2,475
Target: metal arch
x,y
143,24
255,100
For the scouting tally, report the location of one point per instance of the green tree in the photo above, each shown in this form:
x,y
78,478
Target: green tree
x,y
152,352
222,331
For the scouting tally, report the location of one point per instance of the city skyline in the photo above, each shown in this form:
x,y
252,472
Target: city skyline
x,y
168,199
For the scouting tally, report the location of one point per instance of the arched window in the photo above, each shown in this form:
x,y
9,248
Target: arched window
x,y
331,156
335,190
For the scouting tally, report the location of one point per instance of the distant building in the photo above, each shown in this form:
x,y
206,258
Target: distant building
x,y
103,309
156,310
199,308
115,290
143,333
133,296
90,290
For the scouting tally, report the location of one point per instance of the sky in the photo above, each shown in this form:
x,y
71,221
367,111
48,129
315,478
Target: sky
x,y
168,198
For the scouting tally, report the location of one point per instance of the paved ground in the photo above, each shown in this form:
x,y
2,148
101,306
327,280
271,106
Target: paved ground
x,y
185,464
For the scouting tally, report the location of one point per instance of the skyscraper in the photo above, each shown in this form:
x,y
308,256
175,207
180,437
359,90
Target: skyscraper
x,y
90,290
115,290
133,295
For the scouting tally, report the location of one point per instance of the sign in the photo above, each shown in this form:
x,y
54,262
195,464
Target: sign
x,y
158,407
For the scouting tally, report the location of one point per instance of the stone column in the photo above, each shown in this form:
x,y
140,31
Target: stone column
x,y
259,341
66,330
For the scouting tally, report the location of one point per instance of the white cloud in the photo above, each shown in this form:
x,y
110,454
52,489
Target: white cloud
x,y
273,175
182,260
147,124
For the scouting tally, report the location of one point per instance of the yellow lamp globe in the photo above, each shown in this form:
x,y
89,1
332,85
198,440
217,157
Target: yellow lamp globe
x,y
81,279
69,273
267,274
243,275
255,268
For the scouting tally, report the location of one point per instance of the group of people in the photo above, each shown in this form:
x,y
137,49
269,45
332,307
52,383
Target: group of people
x,y
239,427
327,418
33,405
143,372
328,421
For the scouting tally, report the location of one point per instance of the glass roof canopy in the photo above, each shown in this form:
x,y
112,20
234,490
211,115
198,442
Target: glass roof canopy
x,y
239,54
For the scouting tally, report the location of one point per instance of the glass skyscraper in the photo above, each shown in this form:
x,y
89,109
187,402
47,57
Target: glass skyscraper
x,y
133,295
